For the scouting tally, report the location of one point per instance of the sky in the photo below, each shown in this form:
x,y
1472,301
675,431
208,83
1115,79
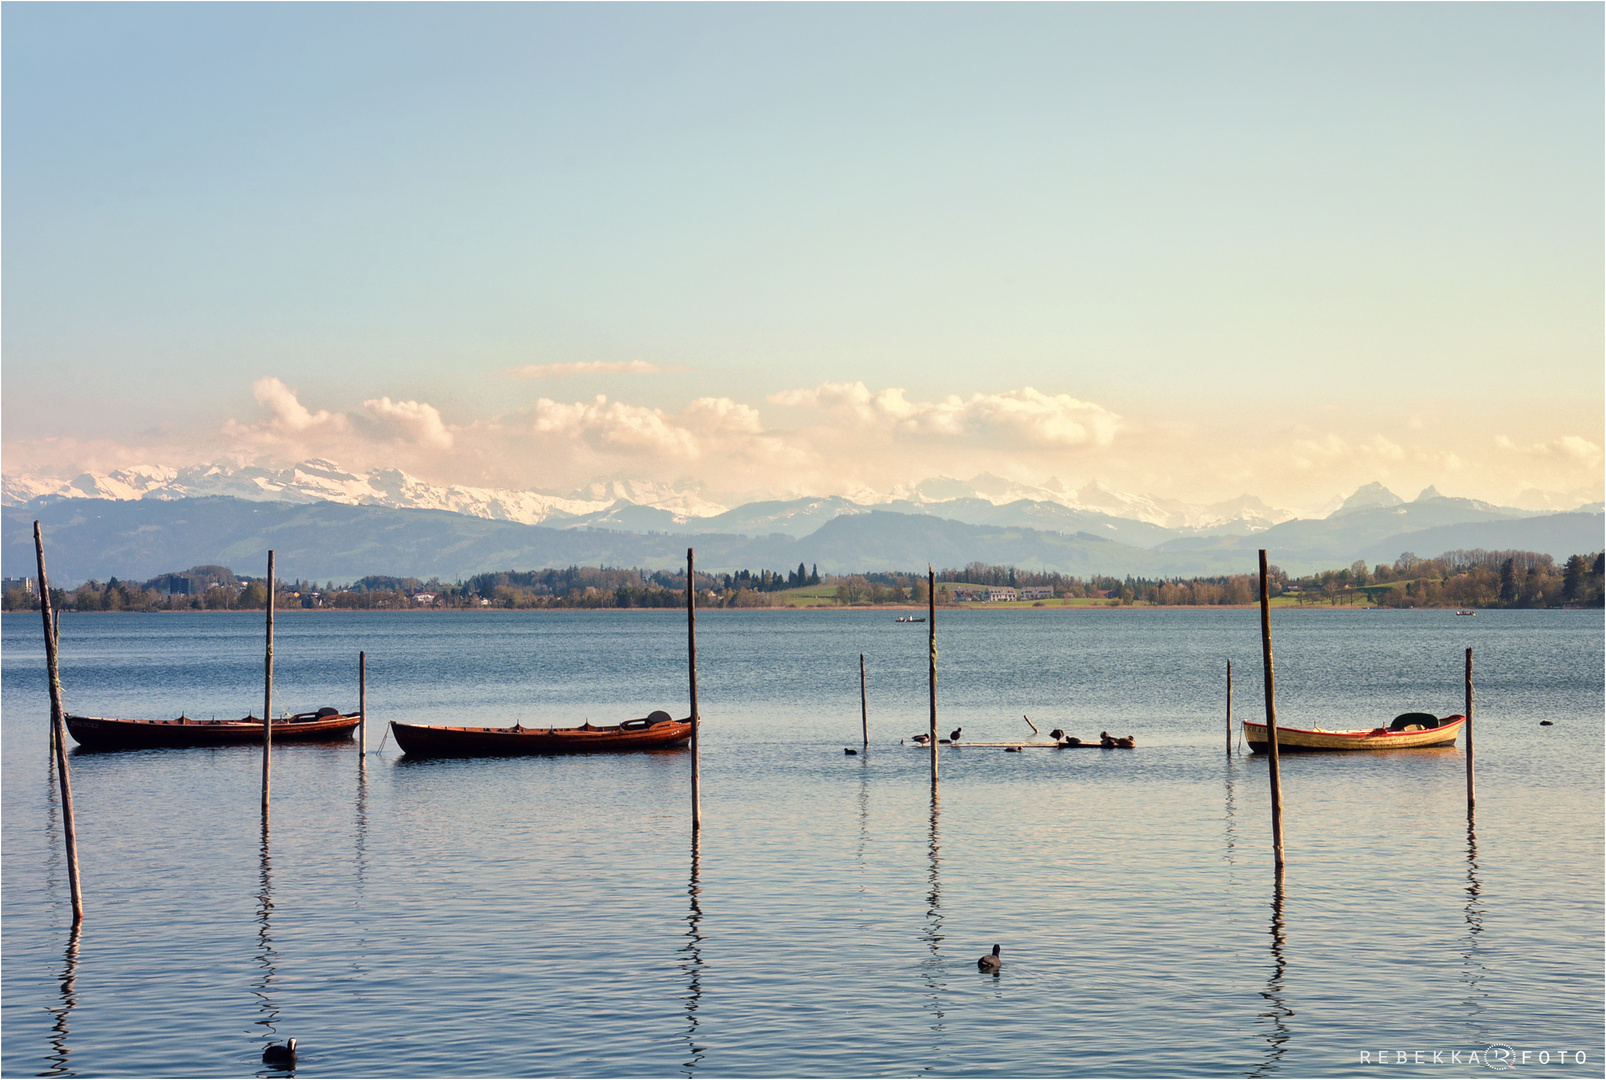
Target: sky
x,y
768,251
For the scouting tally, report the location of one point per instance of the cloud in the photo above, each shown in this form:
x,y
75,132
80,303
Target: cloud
x,y
290,417
613,425
411,421
591,367
722,416
1026,415
1566,446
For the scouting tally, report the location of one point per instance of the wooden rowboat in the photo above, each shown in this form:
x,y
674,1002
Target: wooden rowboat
x,y
1412,731
107,733
657,731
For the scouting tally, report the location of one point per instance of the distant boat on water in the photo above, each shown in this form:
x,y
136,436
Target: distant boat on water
x,y
109,733
909,618
1466,613
656,731
1409,731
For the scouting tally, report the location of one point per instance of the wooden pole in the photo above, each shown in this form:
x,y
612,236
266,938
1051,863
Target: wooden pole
x,y
56,632
1229,708
931,631
267,701
1472,795
691,660
362,703
58,729
1271,718
864,702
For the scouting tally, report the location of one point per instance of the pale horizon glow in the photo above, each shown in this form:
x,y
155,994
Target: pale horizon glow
x,y
770,251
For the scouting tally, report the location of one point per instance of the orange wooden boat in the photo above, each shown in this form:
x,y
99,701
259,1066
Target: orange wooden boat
x,y
656,731
108,733
1410,731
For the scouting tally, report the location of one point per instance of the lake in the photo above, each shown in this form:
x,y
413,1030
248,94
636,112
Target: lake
x,y
553,916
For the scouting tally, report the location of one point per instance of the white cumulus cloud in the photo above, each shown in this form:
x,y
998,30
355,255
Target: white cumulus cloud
x,y
411,421
1026,415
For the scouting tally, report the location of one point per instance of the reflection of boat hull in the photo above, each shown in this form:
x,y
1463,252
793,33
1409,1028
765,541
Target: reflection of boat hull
x,y
1298,740
651,733
106,733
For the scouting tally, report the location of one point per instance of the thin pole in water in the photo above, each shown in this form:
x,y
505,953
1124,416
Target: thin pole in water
x,y
362,704
58,730
1271,718
56,632
1472,795
691,660
864,702
267,701
1229,708
931,631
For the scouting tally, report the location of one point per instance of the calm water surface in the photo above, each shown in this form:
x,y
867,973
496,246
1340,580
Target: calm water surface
x,y
552,916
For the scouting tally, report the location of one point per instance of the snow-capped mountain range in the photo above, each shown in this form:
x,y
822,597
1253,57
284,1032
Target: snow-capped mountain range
x,y
641,506
633,506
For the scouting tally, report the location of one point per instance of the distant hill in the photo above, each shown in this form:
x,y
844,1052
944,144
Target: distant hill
x,y
100,539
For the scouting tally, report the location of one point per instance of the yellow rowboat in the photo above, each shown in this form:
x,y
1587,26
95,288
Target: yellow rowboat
x,y
1411,731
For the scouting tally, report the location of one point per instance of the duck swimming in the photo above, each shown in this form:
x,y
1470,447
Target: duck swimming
x,y
282,1056
991,961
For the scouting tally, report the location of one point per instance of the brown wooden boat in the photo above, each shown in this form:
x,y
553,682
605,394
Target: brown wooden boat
x,y
657,731
1409,731
107,733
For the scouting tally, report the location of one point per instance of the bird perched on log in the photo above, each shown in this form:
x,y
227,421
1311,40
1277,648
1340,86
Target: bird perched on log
x,y
920,738
282,1056
953,736
990,962
1071,740
1106,740
1126,742
1056,734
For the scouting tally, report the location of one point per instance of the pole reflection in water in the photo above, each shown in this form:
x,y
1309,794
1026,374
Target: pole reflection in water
x,y
932,966
1474,971
1230,826
692,958
361,853
266,954
59,1050
1277,1010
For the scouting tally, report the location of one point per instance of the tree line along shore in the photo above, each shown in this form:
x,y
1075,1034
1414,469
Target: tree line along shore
x,y
1458,579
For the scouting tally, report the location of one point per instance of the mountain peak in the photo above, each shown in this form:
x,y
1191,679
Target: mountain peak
x,y
1373,496
1429,492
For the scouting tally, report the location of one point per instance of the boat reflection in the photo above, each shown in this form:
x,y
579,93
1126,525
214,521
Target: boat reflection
x,y
1277,1010
691,963
60,1052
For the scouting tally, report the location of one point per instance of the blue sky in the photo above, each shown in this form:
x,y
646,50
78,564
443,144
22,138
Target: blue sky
x,y
1187,250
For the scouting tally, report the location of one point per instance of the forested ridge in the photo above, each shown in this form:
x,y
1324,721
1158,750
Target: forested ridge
x,y
1458,579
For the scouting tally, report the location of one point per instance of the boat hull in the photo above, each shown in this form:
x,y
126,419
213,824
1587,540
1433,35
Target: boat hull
x,y
419,740
1299,740
108,733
